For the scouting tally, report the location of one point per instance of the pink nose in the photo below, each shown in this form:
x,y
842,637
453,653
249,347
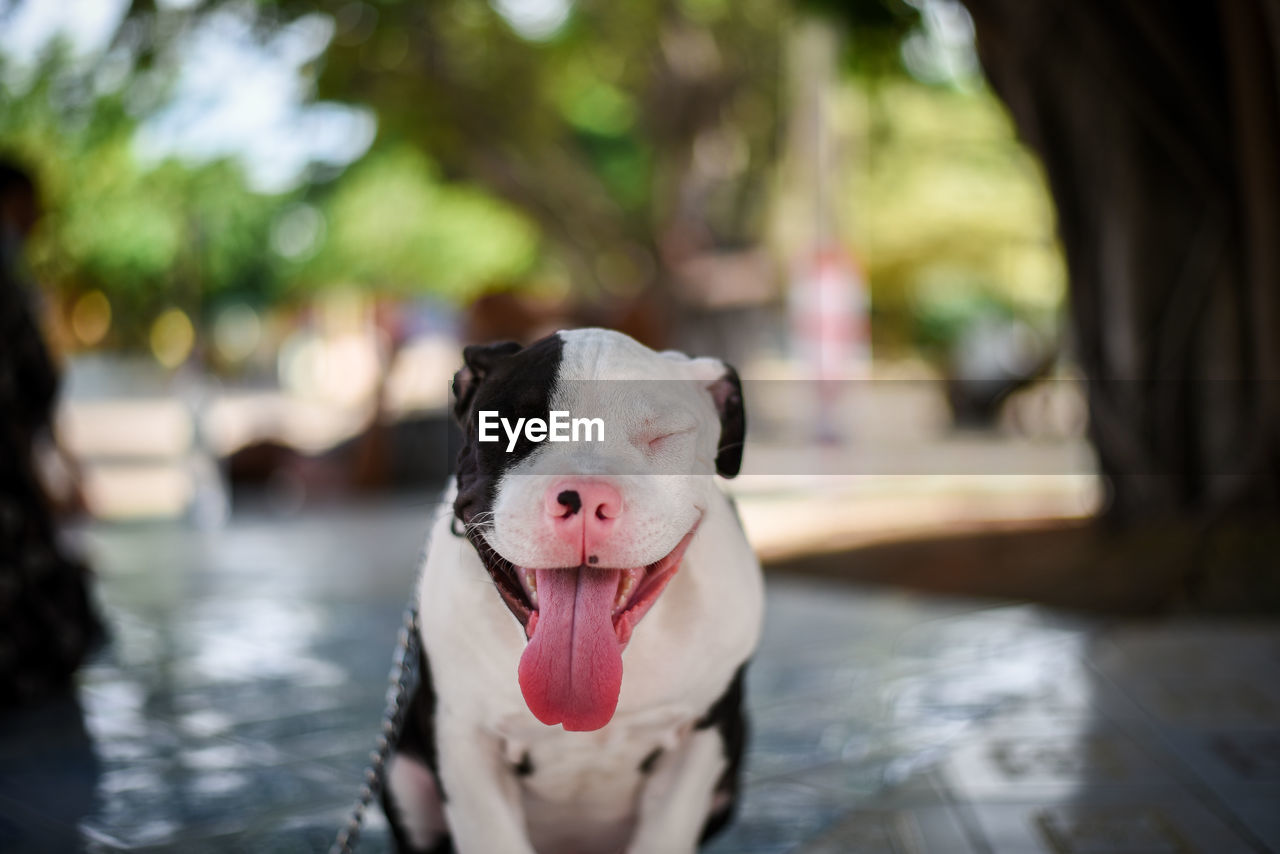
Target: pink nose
x,y
583,513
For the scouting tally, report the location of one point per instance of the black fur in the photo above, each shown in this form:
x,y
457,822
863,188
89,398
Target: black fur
x,y
728,717
727,392
417,741
647,764
519,384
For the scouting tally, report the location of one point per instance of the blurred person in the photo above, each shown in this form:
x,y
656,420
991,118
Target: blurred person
x,y
47,623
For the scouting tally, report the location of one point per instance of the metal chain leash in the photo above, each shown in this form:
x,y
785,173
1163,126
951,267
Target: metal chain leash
x,y
402,671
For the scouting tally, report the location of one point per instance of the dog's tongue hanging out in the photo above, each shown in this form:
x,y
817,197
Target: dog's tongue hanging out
x,y
571,670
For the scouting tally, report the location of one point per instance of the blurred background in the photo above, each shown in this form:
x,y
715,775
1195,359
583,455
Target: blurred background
x,y
267,228
270,227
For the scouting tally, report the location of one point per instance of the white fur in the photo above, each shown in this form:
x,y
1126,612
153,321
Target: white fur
x,y
586,793
677,800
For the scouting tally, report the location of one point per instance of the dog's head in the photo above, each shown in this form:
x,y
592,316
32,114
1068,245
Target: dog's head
x,y
581,534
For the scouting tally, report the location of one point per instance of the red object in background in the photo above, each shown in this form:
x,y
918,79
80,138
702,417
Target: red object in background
x,y
829,314
831,331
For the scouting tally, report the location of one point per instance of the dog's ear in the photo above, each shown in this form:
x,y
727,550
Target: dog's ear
x,y
727,394
478,360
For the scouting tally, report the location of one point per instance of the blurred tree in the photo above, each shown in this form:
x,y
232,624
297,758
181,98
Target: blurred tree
x,y
1159,126
876,31
152,234
633,135
635,139
146,236
391,224
948,212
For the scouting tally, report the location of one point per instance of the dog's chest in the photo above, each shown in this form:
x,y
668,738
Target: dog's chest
x,y
581,789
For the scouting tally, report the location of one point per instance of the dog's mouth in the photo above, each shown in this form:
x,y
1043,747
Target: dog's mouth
x,y
577,621
636,589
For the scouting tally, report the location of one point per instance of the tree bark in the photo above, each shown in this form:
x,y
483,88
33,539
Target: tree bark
x,y
1159,129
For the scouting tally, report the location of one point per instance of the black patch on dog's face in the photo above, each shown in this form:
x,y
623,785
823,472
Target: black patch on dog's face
x,y
516,382
727,394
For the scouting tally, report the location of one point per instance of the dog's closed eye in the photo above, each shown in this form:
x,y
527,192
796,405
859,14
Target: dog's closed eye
x,y
665,439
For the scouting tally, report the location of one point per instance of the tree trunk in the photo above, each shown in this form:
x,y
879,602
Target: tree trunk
x,y
1159,128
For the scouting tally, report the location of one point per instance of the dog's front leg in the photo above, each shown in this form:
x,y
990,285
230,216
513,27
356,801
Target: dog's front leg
x,y
482,795
677,797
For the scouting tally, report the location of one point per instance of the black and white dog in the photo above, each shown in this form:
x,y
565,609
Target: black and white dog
x,y
524,735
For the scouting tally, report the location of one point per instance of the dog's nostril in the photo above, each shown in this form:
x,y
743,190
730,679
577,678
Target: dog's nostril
x,y
570,498
600,514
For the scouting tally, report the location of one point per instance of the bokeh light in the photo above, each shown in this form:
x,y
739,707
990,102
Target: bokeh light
x,y
172,337
91,318
237,333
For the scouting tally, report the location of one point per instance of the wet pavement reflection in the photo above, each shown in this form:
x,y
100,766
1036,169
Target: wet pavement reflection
x,y
239,700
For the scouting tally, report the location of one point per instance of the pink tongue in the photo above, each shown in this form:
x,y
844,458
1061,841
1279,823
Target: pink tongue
x,y
571,670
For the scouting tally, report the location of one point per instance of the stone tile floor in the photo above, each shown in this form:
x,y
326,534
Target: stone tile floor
x,y
236,707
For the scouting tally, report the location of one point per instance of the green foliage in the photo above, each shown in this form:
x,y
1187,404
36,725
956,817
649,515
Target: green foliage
x,y
948,211
589,130
193,234
875,30
395,226
636,131
148,236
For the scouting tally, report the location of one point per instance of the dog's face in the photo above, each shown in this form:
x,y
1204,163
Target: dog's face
x,y
581,537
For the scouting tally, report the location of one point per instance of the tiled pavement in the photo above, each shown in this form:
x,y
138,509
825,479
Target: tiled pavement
x,y
236,707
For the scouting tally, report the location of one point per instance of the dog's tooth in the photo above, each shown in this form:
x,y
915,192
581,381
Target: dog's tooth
x,y
624,590
531,584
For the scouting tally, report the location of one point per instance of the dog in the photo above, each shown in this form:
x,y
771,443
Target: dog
x,y
586,611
